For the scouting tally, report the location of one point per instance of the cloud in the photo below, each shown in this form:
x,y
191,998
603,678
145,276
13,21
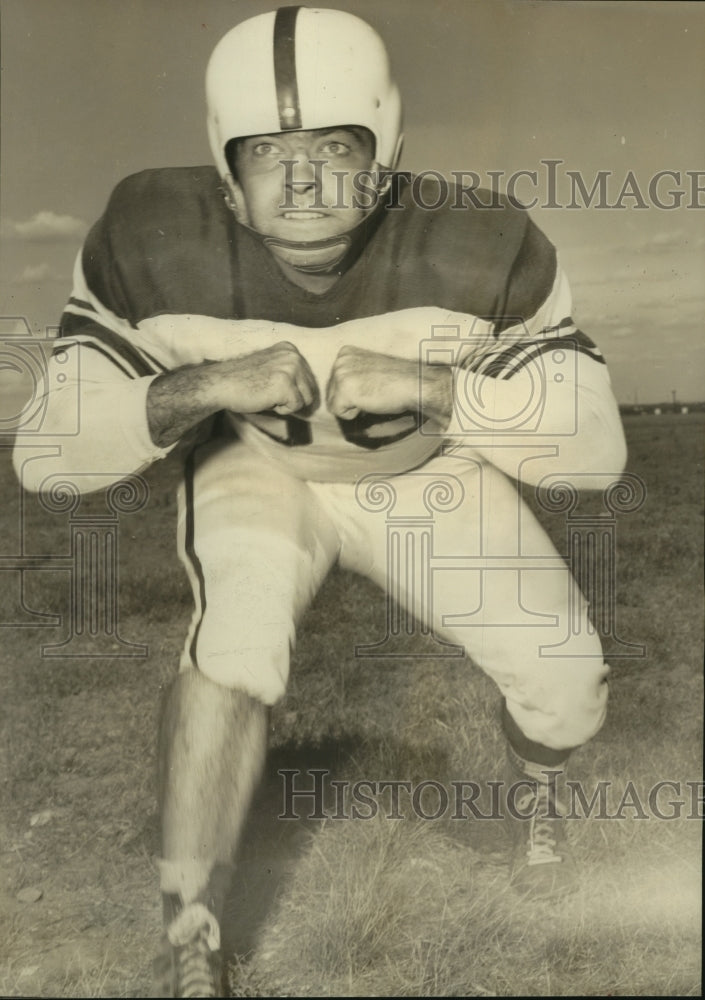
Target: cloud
x,y
668,241
664,242
642,275
645,279
36,274
48,227
677,298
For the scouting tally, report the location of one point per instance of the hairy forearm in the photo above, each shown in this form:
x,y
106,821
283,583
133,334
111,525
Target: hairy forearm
x,y
277,377
178,400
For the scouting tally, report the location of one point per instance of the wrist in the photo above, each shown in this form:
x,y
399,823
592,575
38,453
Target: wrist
x,y
207,387
437,393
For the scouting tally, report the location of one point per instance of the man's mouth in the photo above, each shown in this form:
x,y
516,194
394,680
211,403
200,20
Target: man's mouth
x,y
302,215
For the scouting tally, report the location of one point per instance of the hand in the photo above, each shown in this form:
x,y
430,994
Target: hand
x,y
365,381
277,378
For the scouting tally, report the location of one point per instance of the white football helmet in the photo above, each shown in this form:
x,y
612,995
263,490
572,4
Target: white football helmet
x,y
301,68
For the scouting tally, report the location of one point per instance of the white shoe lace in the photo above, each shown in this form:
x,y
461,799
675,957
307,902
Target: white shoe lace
x,y
195,935
542,843
195,975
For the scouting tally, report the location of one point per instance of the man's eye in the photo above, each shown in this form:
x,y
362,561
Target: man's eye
x,y
336,148
263,149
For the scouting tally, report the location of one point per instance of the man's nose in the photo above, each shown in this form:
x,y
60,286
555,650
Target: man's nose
x,y
303,174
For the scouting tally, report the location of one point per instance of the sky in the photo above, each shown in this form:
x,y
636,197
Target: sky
x,y
93,91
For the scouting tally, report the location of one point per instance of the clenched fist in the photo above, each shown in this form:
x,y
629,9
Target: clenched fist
x,y
368,382
276,378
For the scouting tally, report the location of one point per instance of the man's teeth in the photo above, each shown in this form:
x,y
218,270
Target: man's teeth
x,y
303,215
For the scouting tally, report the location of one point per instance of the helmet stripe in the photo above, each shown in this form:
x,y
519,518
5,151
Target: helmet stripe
x,y
285,68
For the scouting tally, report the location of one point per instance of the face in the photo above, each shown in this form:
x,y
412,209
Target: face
x,y
300,185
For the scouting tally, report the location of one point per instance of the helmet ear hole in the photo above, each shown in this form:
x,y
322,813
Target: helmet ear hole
x,y
397,152
235,200
231,156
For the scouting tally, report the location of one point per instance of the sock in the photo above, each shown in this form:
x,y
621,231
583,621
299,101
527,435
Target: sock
x,y
193,882
524,752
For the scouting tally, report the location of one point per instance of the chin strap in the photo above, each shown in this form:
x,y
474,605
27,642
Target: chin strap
x,y
335,254
317,257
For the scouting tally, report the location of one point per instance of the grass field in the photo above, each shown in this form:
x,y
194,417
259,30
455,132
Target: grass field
x,y
374,907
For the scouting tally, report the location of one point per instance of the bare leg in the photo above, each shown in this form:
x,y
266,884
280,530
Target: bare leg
x,y
211,752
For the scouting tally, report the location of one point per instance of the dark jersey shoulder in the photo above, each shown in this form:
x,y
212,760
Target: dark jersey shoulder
x,y
493,263
168,243
163,245
468,253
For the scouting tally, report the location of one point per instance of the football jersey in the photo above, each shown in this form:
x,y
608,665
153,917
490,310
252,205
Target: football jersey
x,y
168,277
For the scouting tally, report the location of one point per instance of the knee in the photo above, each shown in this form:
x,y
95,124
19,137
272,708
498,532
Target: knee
x,y
562,704
574,711
579,722
243,638
259,670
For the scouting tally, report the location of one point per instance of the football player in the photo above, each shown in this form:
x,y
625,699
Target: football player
x,y
276,307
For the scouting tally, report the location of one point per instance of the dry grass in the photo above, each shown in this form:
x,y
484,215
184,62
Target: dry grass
x,y
369,907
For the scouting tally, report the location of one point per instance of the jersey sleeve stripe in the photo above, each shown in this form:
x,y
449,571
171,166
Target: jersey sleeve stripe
x,y
556,345
518,356
83,329
193,562
73,301
87,344
565,323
